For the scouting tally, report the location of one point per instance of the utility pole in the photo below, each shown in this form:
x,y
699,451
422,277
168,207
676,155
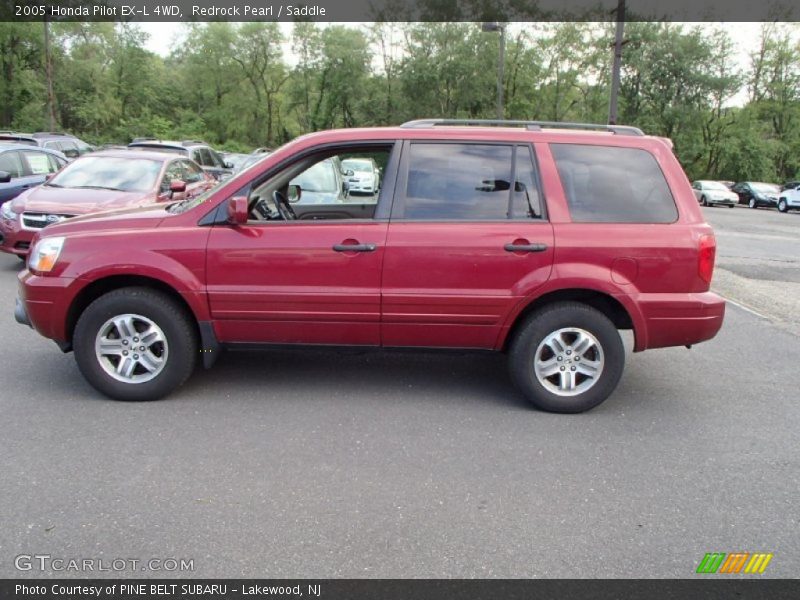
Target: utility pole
x,y
501,61
48,69
612,107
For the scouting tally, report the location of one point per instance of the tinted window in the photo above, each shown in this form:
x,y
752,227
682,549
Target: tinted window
x,y
613,185
10,163
466,181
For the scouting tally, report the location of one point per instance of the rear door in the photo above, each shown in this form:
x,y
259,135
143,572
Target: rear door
x,y
465,245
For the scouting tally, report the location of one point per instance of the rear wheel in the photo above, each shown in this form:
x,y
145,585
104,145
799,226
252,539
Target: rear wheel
x,y
704,201
752,203
135,344
782,206
567,357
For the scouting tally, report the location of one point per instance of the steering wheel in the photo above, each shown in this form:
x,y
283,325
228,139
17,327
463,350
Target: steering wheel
x,y
284,208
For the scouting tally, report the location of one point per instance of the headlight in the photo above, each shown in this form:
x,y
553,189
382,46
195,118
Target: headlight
x,y
45,253
7,213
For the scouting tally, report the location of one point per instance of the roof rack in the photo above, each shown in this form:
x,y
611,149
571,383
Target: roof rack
x,y
530,125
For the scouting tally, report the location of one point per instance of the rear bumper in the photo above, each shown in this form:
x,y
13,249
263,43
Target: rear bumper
x,y
679,319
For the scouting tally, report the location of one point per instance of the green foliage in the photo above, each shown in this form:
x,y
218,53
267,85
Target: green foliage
x,y
234,85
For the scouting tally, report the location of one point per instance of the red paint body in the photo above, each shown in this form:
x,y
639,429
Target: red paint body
x,y
427,284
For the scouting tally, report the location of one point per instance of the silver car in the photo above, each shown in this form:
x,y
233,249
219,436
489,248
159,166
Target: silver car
x,y
713,193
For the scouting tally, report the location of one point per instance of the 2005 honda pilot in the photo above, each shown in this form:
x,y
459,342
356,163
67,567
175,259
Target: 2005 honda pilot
x,y
541,240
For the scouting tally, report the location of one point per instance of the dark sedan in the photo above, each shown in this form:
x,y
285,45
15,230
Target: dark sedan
x,y
756,193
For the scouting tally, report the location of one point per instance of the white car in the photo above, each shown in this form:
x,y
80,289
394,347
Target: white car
x,y
789,198
362,175
713,193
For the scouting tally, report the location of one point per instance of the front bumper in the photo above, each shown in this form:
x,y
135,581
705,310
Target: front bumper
x,y
14,239
43,304
722,202
20,314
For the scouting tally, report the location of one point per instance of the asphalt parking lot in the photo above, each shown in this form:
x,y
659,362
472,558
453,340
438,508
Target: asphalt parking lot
x,y
322,464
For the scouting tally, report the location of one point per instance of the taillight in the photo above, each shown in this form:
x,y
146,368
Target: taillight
x,y
705,258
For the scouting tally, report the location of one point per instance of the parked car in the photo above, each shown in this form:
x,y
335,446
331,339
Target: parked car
x,y
542,241
200,152
100,181
362,175
789,198
323,183
252,159
756,193
23,167
69,145
234,159
714,193
790,185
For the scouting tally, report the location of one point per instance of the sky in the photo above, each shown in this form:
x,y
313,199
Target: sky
x,y
746,35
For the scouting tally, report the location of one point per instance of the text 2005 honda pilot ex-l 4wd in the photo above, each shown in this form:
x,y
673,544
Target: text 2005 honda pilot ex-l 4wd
x,y
541,240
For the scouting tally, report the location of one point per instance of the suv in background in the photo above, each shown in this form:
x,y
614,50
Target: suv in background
x,y
789,197
540,240
204,155
67,144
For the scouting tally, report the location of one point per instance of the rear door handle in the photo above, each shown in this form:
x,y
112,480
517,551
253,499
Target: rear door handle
x,y
355,247
525,247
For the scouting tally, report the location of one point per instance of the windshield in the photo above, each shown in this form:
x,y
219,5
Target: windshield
x,y
319,178
713,185
106,172
765,188
360,166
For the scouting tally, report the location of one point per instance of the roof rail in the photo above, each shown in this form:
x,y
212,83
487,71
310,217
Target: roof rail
x,y
530,125
39,134
190,142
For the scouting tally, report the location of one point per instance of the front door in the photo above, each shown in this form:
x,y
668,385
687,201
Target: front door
x,y
301,271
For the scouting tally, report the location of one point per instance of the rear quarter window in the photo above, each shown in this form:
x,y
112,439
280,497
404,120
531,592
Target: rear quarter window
x,y
608,184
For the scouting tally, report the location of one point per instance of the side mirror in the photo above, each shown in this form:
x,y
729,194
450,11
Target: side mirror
x,y
237,210
71,153
228,164
295,193
5,177
177,186
349,173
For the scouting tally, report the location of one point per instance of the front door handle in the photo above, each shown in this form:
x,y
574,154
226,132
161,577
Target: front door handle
x,y
525,247
355,247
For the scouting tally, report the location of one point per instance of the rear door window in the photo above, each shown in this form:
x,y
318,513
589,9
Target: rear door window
x,y
609,184
469,181
39,163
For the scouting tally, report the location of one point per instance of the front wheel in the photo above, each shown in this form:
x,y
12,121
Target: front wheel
x,y
782,207
567,357
704,201
752,203
135,344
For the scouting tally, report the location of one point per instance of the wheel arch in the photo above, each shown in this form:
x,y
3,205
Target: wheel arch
x,y
99,287
612,307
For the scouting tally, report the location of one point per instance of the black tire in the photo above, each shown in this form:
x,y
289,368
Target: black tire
x,y
541,324
704,201
177,326
782,206
731,205
753,203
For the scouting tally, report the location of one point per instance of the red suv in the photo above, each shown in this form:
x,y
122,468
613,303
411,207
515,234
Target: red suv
x,y
541,240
